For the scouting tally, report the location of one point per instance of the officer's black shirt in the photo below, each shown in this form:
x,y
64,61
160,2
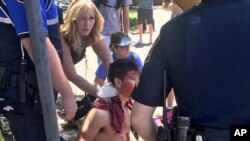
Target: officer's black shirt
x,y
207,57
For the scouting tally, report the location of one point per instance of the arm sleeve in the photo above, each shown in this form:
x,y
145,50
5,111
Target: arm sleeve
x,y
52,13
18,17
138,61
150,89
100,71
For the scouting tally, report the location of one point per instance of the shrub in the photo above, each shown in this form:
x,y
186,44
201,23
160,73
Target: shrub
x,y
133,17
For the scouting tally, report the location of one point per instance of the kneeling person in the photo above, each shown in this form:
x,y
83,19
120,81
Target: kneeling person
x,y
120,46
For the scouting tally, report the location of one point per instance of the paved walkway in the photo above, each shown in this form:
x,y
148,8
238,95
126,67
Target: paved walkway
x,y
87,67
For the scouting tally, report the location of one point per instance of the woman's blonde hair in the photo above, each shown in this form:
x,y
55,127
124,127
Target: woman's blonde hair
x,y
75,11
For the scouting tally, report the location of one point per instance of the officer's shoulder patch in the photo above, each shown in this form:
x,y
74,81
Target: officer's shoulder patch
x,y
151,50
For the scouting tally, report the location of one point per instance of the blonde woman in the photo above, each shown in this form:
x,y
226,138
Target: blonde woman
x,y
82,27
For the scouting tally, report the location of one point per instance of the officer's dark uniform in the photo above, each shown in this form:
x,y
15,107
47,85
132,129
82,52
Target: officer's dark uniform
x,y
206,54
26,120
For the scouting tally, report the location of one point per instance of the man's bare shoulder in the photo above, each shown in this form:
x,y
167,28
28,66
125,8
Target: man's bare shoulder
x,y
99,114
97,119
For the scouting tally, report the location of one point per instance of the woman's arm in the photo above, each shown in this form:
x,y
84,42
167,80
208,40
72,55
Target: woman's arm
x,y
70,71
103,52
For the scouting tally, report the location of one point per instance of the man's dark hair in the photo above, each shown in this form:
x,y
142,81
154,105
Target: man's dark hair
x,y
120,68
117,37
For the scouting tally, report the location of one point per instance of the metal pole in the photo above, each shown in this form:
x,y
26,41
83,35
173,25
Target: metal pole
x,y
42,69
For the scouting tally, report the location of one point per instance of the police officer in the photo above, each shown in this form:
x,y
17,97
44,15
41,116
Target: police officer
x,y
25,121
205,52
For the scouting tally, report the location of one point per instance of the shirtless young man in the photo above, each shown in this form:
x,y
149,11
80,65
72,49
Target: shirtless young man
x,y
109,118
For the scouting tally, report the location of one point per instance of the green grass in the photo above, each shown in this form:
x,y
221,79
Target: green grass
x,y
133,18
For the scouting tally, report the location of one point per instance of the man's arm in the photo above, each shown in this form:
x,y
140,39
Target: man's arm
x,y
125,11
150,90
59,80
146,128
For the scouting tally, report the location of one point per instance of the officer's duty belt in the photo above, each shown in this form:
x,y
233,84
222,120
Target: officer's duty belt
x,y
30,79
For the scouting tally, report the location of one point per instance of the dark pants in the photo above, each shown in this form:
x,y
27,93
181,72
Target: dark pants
x,y
25,118
145,14
25,123
26,127
211,134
